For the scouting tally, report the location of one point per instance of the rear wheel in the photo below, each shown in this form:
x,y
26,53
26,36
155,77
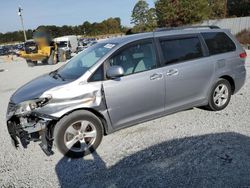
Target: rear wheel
x,y
78,134
220,95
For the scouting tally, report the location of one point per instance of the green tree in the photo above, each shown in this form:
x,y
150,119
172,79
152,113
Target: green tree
x,y
143,18
112,26
171,13
151,19
86,28
238,8
108,26
218,9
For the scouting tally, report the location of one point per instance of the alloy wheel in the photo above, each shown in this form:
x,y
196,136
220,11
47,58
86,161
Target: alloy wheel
x,y
80,136
221,95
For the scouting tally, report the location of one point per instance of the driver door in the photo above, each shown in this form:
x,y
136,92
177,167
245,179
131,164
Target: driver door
x,y
139,94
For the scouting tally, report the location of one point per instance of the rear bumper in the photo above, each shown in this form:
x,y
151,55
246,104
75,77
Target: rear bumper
x,y
239,80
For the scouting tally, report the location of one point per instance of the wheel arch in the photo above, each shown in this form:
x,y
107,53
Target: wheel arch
x,y
95,112
230,80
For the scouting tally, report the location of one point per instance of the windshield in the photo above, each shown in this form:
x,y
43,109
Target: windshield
x,y
78,65
62,44
30,44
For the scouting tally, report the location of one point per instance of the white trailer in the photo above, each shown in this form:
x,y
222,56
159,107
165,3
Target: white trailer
x,y
67,43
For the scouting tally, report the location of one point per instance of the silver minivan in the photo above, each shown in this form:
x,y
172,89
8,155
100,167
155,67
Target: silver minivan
x,y
125,81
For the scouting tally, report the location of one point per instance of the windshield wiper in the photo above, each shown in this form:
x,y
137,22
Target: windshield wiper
x,y
56,75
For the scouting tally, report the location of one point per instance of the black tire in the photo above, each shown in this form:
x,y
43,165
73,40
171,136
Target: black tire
x,y
66,122
45,61
31,63
212,103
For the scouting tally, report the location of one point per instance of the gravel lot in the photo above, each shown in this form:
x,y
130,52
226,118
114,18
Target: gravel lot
x,y
193,148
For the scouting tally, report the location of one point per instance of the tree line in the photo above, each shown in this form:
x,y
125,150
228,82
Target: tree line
x,y
172,13
108,26
165,13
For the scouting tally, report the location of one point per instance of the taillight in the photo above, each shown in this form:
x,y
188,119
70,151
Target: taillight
x,y
243,55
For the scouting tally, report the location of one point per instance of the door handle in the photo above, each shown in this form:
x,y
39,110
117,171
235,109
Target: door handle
x,y
156,76
172,72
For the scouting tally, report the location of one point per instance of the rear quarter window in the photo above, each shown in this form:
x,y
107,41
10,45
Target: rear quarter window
x,y
181,49
218,43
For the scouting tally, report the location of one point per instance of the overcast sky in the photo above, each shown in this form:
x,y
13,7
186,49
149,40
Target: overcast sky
x,y
63,12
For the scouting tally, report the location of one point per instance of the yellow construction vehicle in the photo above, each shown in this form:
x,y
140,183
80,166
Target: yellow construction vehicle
x,y
41,49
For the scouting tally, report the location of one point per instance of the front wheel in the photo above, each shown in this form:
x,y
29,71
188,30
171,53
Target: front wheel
x,y
78,134
220,95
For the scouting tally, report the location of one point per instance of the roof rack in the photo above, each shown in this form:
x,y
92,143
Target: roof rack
x,y
187,27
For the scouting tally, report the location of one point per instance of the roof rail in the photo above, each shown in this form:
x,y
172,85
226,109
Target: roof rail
x,y
186,27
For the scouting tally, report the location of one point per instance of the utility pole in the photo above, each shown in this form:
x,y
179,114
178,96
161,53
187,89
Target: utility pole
x,y
21,18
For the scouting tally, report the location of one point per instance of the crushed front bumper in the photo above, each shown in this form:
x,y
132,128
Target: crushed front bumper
x,y
32,127
18,133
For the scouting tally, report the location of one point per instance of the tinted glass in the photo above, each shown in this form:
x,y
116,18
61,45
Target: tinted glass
x,y
218,43
183,49
98,75
136,58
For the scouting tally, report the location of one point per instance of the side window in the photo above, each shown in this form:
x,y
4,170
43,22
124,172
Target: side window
x,y
218,43
98,75
182,49
136,58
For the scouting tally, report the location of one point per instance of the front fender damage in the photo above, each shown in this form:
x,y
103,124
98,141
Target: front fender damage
x,y
39,124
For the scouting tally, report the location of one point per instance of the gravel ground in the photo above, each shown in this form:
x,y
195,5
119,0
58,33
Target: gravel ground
x,y
193,148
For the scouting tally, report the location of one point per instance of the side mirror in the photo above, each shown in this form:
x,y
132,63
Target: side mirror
x,y
115,72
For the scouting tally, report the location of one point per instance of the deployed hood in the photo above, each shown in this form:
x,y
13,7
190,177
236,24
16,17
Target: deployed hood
x,y
35,88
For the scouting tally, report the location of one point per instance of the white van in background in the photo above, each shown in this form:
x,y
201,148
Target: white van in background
x,y
67,43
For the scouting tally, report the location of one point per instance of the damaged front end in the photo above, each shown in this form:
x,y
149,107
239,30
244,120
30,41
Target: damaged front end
x,y
25,124
34,120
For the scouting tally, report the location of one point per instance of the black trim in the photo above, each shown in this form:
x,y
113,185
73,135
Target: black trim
x,y
186,27
204,45
103,74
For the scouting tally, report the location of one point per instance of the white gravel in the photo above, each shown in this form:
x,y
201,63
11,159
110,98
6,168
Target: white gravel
x,y
193,148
